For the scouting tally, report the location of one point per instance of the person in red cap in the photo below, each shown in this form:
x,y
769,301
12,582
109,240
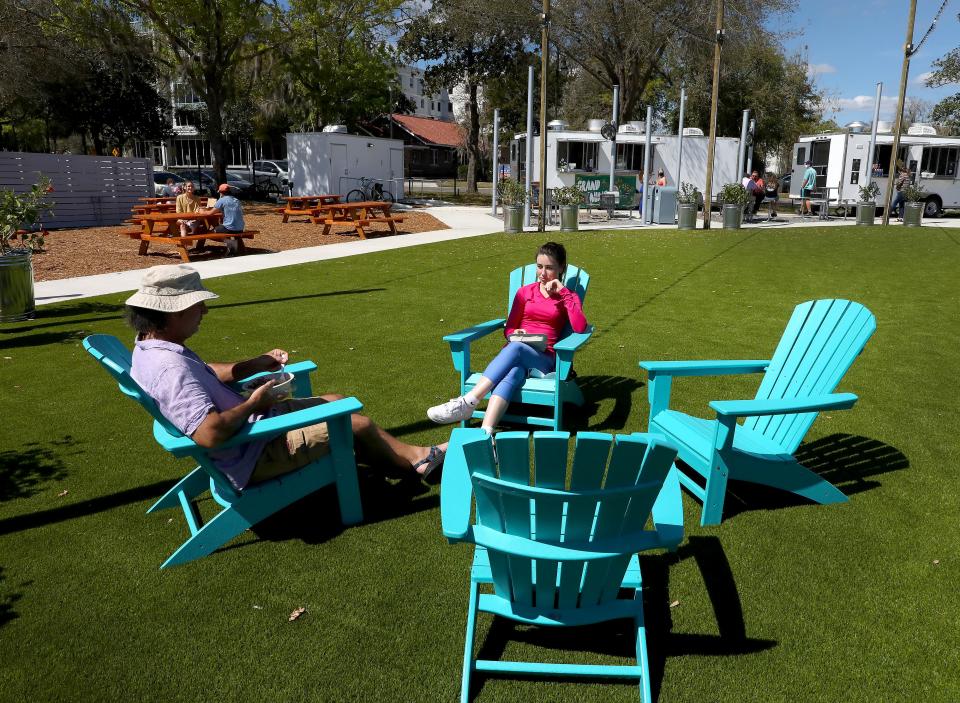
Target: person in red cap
x,y
232,213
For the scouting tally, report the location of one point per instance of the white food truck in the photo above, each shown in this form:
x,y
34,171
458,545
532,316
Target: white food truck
x,y
841,160
583,157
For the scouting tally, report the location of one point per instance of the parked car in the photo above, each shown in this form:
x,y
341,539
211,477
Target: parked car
x,y
239,187
785,183
160,179
272,176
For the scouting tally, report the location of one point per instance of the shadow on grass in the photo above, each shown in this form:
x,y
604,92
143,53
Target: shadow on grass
x,y
41,339
847,461
24,471
617,638
7,600
597,388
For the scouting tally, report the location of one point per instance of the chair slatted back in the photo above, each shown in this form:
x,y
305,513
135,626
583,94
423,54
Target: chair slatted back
x,y
819,345
614,482
576,279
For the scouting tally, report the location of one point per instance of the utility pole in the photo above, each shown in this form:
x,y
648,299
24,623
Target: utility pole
x,y
544,66
907,53
712,144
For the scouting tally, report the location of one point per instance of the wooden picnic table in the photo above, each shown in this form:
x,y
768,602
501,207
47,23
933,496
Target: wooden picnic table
x,y
161,227
163,199
306,205
360,215
154,207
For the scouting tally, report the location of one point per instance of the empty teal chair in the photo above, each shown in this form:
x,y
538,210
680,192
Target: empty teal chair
x,y
552,391
557,555
818,346
241,509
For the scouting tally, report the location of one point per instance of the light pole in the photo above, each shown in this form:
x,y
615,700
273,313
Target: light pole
x,y
715,93
544,65
907,53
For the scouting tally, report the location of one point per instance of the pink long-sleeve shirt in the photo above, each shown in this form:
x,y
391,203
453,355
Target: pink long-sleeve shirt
x,y
538,315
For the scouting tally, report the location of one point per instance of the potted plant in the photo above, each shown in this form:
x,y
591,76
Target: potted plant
x,y
688,200
915,198
512,196
734,198
20,217
867,207
569,199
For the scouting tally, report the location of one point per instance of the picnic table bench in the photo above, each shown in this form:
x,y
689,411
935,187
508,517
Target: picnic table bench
x,y
160,227
306,205
360,215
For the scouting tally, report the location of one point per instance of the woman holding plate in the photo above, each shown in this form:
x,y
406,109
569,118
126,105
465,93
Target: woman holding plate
x,y
539,313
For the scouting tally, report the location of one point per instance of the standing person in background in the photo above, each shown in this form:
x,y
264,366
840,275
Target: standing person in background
x,y
901,182
772,192
661,179
807,185
232,213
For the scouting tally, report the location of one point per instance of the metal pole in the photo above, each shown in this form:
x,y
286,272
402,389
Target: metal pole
x,y
714,94
907,53
496,161
647,160
683,105
742,148
613,142
753,129
544,65
527,181
873,134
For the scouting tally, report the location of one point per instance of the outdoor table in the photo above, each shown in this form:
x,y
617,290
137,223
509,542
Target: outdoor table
x,y
306,205
169,220
824,201
154,207
360,215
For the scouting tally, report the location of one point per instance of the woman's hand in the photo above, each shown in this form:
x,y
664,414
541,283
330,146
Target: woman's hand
x,y
554,286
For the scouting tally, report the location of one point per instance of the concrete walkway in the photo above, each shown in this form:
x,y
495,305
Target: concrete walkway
x,y
464,221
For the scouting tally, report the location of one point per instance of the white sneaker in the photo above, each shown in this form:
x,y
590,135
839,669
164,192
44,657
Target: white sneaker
x,y
454,410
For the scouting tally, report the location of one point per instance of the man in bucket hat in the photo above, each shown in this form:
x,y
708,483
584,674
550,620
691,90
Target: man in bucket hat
x,y
166,311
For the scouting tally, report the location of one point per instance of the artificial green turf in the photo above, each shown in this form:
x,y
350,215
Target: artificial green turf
x,y
779,603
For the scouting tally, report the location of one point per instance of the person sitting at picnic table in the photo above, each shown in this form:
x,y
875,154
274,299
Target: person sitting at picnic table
x,y
166,311
232,213
760,191
169,190
544,307
772,192
188,201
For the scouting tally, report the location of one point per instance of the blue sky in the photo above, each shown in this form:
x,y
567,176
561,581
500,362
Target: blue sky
x,y
852,45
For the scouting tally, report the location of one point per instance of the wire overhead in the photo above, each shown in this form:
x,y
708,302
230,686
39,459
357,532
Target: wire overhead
x,y
915,49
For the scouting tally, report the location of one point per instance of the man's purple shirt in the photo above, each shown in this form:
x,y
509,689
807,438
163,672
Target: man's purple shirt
x,y
185,390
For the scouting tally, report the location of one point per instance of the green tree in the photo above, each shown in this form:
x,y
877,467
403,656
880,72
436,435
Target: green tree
x,y
464,44
946,113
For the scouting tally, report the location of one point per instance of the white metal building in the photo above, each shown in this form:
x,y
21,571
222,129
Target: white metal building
x,y
334,162
841,160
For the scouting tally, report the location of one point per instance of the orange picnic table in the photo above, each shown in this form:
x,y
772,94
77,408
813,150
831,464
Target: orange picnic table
x,y
306,205
161,227
360,215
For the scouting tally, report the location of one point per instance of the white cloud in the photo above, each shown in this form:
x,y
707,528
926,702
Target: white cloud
x,y
862,102
818,69
922,78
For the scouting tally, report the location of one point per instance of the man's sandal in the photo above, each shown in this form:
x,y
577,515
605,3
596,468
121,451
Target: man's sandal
x,y
432,462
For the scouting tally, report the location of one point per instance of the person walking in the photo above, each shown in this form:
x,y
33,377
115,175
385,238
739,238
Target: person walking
x,y
807,185
901,182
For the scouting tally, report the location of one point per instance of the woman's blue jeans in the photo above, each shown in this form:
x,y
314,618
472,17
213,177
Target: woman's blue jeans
x,y
509,368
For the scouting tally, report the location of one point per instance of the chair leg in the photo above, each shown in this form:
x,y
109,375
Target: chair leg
x,y
345,469
468,666
643,661
793,477
714,495
226,525
193,484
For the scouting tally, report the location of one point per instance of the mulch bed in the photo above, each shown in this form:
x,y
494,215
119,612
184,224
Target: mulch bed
x,y
84,252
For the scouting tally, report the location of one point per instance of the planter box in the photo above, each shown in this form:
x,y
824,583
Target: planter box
x,y
732,216
569,218
687,216
913,214
16,286
866,212
513,218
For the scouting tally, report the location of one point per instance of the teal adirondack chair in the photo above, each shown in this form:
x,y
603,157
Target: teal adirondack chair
x,y
241,509
818,346
551,392
559,557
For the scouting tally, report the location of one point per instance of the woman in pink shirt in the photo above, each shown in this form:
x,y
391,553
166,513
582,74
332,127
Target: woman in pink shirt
x,y
543,307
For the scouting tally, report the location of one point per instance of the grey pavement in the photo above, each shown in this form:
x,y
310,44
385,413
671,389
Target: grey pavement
x,y
463,221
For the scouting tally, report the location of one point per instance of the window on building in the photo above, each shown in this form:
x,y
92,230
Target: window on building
x,y
581,156
940,160
801,155
855,171
630,157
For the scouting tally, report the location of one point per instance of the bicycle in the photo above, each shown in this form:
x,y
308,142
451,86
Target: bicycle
x,y
370,190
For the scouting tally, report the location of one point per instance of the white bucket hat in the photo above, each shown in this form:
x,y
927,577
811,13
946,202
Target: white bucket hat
x,y
170,289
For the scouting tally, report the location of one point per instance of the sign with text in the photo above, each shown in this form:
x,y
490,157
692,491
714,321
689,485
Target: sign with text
x,y
595,183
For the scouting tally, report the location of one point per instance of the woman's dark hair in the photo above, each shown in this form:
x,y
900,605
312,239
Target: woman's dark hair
x,y
144,320
557,253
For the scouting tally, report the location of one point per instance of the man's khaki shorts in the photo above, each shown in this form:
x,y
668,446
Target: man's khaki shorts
x,y
296,448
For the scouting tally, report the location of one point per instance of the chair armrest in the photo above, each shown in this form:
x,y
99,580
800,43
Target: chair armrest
x,y
456,488
301,367
757,407
703,368
476,332
573,341
267,428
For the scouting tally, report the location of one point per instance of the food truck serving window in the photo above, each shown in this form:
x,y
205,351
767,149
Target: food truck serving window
x,y
940,160
578,156
630,157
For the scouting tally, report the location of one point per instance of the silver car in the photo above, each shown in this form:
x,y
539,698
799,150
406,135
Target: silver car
x,y
272,175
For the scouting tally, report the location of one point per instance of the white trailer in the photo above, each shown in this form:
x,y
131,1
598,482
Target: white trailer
x,y
323,163
841,160
583,157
